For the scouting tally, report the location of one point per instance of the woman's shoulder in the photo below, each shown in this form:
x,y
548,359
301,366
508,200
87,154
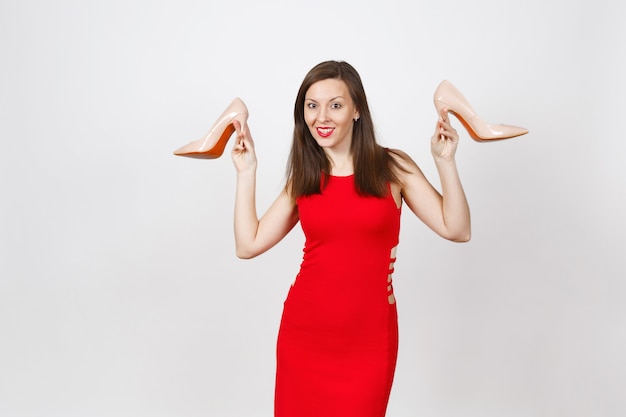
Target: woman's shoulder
x,y
401,158
404,167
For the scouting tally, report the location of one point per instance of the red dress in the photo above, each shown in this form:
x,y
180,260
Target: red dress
x,y
338,338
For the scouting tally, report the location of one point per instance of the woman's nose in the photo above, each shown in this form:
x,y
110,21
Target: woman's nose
x,y
322,115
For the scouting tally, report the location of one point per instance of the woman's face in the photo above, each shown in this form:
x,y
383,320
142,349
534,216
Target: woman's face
x,y
329,113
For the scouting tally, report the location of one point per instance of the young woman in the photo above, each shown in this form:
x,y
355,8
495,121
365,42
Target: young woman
x,y
338,338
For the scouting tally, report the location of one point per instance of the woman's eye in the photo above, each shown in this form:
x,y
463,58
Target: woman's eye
x,y
336,106
311,105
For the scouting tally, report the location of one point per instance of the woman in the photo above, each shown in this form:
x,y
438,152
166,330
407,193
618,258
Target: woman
x,y
338,338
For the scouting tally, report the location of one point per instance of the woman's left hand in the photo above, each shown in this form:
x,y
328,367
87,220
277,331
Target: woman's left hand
x,y
444,142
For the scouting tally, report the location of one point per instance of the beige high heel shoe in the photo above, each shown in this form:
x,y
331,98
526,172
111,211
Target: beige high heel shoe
x,y
212,145
448,97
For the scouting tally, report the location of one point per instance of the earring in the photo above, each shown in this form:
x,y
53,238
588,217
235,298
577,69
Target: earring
x,y
356,118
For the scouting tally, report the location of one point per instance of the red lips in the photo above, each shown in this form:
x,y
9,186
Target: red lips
x,y
325,131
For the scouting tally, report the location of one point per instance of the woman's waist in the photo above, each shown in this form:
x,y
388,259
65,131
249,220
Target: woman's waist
x,y
333,308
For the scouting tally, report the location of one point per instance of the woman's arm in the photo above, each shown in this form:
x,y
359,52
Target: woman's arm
x,y
254,236
446,213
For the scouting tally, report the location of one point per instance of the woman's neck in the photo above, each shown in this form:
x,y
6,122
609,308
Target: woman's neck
x,y
340,165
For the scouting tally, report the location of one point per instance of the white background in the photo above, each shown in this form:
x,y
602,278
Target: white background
x,y
120,291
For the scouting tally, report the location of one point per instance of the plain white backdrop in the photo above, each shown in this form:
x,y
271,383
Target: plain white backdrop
x,y
120,291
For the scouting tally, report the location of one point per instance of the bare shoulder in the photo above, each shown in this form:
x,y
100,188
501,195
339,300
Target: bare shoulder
x,y
406,166
401,157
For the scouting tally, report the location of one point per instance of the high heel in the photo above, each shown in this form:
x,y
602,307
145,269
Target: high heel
x,y
448,97
212,145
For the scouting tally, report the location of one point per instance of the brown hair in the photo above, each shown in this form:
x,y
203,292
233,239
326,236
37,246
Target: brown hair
x,y
308,164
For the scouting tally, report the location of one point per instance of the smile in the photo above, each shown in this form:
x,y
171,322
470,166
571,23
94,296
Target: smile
x,y
325,131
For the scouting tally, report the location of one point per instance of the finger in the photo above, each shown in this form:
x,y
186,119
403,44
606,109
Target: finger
x,y
238,147
246,143
443,130
451,135
444,115
447,131
245,132
445,124
238,128
240,142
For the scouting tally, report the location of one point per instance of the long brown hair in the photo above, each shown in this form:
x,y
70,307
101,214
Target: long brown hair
x,y
308,165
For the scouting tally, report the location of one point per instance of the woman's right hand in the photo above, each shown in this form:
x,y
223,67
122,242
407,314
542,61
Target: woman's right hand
x,y
244,157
